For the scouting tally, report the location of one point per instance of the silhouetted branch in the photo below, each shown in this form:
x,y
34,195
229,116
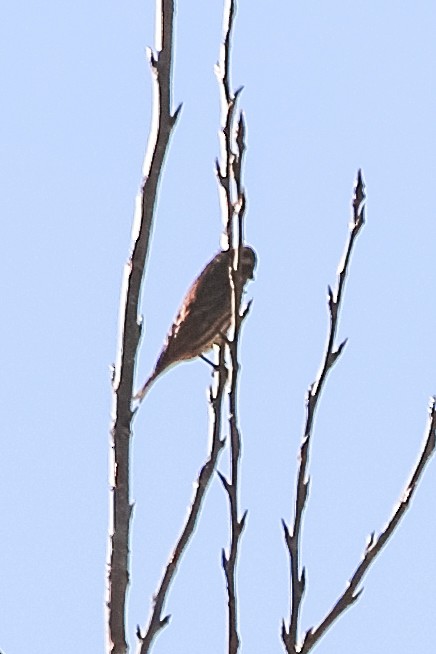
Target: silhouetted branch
x,y
130,330
225,167
229,173
332,353
376,544
156,622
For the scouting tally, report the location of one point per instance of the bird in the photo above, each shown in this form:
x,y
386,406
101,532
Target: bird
x,y
205,314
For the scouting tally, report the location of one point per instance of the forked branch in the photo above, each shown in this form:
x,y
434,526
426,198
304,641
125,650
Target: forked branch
x,y
332,353
156,621
376,543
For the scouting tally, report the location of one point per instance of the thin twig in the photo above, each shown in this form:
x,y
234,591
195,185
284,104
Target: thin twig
x,y
376,544
332,353
224,168
229,173
156,622
236,525
130,331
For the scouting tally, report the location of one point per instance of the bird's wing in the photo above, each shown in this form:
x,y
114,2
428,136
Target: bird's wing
x,y
204,313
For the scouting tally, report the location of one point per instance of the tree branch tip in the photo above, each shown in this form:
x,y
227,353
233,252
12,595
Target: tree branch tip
x,y
237,93
139,635
164,621
177,113
221,476
246,309
359,180
339,349
224,481
224,560
343,344
308,634
359,187
243,520
359,198
285,634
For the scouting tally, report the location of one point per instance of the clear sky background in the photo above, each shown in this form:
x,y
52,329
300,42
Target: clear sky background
x,y
329,87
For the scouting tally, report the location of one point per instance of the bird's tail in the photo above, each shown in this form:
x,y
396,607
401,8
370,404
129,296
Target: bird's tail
x,y
139,396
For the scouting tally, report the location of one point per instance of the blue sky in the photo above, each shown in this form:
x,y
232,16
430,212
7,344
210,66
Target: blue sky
x,y
329,87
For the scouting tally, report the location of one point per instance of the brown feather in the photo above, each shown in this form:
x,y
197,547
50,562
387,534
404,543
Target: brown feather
x,y
204,315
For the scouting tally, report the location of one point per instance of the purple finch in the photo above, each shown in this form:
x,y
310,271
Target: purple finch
x,y
205,314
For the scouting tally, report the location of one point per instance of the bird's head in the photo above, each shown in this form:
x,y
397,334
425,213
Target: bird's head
x,y
248,262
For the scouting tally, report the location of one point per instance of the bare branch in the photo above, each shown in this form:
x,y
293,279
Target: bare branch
x,y
130,330
376,544
225,170
156,622
332,353
229,174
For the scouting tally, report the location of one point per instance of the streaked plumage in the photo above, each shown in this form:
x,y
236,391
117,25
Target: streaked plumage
x,y
205,313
